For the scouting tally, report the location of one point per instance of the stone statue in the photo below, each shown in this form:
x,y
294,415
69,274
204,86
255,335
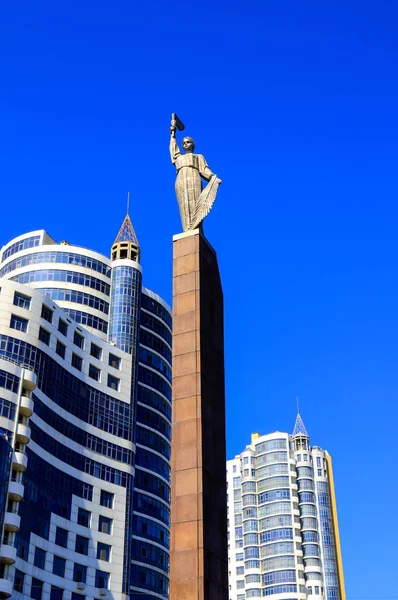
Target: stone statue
x,y
194,201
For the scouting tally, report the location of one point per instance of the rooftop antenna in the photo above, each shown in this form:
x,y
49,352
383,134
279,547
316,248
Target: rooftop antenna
x,y
128,203
298,405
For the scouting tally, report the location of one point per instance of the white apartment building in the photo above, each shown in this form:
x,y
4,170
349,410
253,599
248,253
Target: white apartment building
x,y
282,520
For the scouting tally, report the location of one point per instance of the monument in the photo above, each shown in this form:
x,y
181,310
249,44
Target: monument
x,y
199,545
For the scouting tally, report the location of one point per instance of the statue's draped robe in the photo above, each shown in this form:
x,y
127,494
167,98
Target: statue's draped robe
x,y
193,203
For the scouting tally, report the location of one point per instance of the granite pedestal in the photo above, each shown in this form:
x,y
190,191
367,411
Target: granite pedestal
x,y
199,546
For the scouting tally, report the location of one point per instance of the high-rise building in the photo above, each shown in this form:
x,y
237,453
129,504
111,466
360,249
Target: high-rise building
x,y
85,409
282,520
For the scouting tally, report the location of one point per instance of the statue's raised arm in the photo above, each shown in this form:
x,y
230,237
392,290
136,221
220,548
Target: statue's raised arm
x,y
174,149
194,201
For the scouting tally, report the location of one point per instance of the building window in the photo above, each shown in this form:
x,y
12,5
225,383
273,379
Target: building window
x,y
81,545
114,361
19,581
40,558
96,351
44,336
246,460
60,350
94,373
83,517
61,537
319,472
19,323
113,382
106,499
22,301
47,313
102,580
78,340
76,596
79,573
77,361
103,551
234,469
105,525
56,593
63,327
36,589
59,566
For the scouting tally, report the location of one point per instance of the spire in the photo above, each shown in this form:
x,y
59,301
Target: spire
x,y
299,427
126,232
126,243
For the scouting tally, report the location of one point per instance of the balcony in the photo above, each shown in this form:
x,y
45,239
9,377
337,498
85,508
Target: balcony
x,y
29,380
19,461
23,433
12,521
26,406
6,586
8,554
16,491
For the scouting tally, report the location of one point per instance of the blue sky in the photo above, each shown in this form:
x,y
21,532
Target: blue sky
x,y
294,106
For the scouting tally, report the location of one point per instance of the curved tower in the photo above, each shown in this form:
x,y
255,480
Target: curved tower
x,y
137,314
151,503
85,361
71,432
284,539
77,279
309,523
126,289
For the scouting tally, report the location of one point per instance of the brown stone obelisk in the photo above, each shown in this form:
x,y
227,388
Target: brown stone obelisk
x,y
199,546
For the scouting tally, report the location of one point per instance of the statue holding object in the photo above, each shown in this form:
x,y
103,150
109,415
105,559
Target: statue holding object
x,y
194,201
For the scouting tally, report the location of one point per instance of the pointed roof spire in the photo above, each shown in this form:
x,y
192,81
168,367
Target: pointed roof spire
x,y
126,243
299,427
126,232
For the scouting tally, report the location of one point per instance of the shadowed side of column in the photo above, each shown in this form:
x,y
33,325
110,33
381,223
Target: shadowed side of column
x,y
199,551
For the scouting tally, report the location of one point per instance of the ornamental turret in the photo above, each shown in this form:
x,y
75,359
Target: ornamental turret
x,y
300,435
126,243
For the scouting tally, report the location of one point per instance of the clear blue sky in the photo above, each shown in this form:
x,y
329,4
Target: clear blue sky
x,y
294,105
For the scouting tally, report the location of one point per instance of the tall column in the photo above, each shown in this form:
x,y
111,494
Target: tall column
x,y
199,545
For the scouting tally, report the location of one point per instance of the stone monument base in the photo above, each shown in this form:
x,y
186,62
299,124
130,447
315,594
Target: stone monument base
x,y
199,545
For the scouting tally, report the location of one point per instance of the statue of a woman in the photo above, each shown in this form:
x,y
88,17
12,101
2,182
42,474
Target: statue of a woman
x,y
194,201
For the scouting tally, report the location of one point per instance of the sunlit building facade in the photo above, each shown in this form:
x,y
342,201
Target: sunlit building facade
x,y
85,423
282,520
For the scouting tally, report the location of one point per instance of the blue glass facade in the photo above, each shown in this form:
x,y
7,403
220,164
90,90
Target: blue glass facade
x,y
66,258
67,391
5,464
151,522
71,400
125,311
29,242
